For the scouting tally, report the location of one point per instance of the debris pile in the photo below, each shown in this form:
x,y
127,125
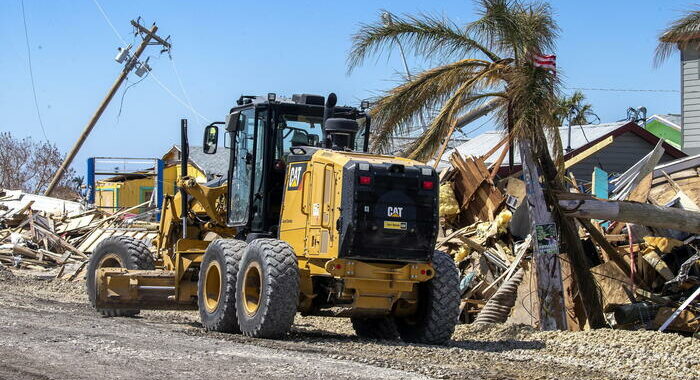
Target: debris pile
x,y
639,230
50,234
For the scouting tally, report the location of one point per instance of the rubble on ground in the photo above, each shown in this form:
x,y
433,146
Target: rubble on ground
x,y
648,276
56,237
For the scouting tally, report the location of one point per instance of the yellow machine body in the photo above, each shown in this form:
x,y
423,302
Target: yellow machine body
x,y
310,212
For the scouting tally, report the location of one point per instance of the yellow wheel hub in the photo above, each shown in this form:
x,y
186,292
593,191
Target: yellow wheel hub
x,y
252,287
212,286
110,260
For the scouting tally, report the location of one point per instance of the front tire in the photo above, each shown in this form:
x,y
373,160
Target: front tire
x,y
117,252
216,289
438,305
267,289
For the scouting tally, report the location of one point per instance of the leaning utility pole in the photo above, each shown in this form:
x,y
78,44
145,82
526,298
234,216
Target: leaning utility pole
x,y
131,62
550,291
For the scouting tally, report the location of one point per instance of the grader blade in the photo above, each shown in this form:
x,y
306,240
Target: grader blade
x,y
119,288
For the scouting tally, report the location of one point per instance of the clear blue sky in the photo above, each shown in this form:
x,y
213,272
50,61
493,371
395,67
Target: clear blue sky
x,y
224,49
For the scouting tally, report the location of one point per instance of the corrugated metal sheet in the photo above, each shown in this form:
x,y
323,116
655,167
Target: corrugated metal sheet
x,y
401,141
580,136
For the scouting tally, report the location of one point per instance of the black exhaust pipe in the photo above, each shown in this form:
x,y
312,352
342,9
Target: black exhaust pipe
x,y
328,111
184,160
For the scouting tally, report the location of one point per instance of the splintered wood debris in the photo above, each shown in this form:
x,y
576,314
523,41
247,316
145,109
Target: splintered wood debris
x,y
642,243
56,236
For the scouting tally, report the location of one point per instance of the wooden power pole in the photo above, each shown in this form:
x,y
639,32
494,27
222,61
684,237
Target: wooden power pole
x,y
149,37
550,292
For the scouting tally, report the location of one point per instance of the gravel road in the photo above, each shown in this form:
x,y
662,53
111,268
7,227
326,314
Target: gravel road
x,y
49,332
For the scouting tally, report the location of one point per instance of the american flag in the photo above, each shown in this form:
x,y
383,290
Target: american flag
x,y
545,61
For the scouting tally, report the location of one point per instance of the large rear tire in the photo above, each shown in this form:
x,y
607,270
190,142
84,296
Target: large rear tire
x,y
216,290
121,252
380,328
438,305
267,292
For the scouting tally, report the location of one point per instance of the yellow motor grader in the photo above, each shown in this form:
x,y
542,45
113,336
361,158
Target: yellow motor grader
x,y
305,221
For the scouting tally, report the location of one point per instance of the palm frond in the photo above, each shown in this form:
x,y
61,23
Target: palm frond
x,y
495,24
574,110
402,105
426,35
467,95
679,32
514,29
538,30
532,92
426,145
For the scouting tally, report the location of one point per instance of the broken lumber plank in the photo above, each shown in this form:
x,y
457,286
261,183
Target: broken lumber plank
x,y
472,244
610,251
61,241
494,149
633,212
24,251
519,254
77,271
116,215
453,234
588,152
686,202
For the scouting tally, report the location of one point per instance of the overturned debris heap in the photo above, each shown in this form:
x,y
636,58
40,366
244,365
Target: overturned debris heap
x,y
55,236
639,231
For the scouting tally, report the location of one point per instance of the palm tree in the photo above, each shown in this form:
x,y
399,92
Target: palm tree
x,y
486,63
484,60
678,34
574,111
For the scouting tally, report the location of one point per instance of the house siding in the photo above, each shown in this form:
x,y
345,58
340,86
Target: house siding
x,y
115,195
625,150
690,98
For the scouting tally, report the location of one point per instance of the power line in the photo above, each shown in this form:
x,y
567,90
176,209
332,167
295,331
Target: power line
x,y
31,72
177,98
182,87
477,128
109,22
130,61
121,102
620,89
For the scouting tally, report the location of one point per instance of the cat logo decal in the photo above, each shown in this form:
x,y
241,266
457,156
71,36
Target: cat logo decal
x,y
394,212
296,173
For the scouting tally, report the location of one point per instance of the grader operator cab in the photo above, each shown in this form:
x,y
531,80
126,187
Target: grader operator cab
x,y
306,221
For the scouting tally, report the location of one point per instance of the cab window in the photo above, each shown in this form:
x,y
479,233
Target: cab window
x,y
239,187
297,130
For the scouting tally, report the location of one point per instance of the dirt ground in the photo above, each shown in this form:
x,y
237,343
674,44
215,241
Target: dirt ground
x,y
47,331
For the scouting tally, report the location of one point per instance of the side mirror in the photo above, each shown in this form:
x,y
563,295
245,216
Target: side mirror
x,y
211,139
233,122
